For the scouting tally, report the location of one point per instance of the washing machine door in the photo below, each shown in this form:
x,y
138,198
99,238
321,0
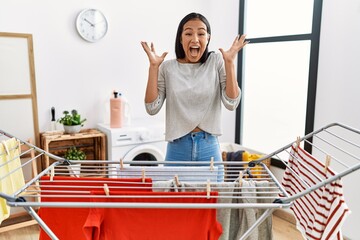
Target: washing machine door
x,y
144,152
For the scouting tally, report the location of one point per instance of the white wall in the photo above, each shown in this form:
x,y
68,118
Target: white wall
x,y
72,73
339,86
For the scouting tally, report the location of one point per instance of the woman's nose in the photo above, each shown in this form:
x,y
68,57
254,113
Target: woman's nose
x,y
195,38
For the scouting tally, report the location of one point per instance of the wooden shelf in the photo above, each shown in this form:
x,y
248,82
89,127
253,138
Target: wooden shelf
x,y
91,141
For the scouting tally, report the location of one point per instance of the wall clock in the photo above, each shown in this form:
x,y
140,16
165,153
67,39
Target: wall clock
x,y
91,24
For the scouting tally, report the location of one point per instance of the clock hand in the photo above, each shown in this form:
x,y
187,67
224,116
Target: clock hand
x,y
89,22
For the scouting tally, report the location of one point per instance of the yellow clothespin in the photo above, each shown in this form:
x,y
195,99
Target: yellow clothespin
x,y
177,182
327,163
208,189
143,175
52,173
121,164
241,175
212,164
106,190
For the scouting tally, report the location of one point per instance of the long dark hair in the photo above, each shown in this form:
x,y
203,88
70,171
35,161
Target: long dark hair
x,y
179,50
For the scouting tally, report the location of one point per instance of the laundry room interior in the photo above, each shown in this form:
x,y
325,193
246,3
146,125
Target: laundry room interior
x,y
297,72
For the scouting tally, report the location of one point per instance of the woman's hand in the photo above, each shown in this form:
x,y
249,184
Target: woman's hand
x,y
154,59
237,45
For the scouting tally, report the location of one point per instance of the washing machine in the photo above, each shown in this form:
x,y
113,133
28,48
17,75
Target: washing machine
x,y
136,142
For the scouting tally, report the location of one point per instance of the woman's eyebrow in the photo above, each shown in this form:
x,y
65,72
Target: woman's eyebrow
x,y
189,28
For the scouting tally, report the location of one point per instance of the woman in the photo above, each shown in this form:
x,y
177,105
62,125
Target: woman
x,y
194,85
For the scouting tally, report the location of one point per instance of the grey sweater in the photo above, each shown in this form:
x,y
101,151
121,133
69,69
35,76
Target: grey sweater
x,y
193,94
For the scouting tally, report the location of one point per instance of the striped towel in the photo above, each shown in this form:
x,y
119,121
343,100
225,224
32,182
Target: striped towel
x,y
321,213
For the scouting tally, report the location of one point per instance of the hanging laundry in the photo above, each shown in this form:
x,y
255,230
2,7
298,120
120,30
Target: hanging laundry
x,y
251,192
153,223
12,176
67,223
321,213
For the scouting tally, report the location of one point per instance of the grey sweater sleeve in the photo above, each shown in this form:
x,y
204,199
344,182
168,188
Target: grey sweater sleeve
x,y
229,103
155,106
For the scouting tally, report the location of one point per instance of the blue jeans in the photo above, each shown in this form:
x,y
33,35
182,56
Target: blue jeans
x,y
198,147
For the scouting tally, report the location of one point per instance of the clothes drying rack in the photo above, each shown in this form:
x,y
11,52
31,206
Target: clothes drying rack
x,y
337,144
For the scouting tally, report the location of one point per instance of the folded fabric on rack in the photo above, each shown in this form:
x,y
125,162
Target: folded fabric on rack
x,y
321,213
67,223
11,174
152,223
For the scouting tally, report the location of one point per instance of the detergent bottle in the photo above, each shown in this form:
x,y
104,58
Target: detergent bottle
x,y
116,111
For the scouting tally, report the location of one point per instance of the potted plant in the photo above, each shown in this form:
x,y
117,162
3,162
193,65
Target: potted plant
x,y
75,154
72,122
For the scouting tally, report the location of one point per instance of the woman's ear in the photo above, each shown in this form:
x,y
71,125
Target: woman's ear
x,y
208,37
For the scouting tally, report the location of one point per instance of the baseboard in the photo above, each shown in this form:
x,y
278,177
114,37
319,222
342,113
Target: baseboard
x,y
18,225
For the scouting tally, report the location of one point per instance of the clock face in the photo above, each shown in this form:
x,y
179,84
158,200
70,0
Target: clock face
x,y
91,25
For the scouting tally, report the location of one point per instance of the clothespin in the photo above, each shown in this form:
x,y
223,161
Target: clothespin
x,y
327,163
297,143
212,164
241,175
19,145
52,173
106,190
143,175
177,182
121,164
5,147
208,189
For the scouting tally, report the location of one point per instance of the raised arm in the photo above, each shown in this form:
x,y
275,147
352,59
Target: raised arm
x,y
155,61
232,87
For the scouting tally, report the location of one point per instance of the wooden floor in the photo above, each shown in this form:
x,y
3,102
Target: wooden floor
x,y
282,230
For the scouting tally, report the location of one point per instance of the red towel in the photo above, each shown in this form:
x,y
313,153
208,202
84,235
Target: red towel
x,y
67,223
152,223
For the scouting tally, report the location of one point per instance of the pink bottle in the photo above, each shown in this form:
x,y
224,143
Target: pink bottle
x,y
116,111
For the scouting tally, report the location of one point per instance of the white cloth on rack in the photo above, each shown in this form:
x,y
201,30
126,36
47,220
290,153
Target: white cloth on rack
x,y
163,173
11,174
321,213
163,186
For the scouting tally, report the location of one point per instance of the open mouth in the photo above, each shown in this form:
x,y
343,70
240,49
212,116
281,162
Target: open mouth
x,y
194,51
